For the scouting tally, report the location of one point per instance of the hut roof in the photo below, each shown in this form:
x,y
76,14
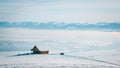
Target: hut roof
x,y
35,49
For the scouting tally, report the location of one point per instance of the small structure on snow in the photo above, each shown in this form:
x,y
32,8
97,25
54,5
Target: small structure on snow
x,y
37,51
62,53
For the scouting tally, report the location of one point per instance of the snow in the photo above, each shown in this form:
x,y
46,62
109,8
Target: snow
x,y
12,59
85,49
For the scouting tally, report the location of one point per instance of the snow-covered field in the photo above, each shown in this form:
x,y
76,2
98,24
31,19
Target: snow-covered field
x,y
82,49
52,60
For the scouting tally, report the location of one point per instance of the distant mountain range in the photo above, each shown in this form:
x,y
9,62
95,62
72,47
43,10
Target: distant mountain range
x,y
104,26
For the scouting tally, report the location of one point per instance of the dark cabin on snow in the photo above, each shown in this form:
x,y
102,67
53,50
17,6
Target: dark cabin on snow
x,y
37,51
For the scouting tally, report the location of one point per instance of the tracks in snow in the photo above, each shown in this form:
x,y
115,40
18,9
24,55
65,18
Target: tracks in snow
x,y
79,57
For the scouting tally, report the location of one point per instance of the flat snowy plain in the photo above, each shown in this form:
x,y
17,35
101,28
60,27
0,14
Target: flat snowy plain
x,y
83,49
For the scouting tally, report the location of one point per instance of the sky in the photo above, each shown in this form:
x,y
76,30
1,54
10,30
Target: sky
x,y
83,11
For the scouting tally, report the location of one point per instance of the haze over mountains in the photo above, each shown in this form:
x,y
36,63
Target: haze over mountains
x,y
113,26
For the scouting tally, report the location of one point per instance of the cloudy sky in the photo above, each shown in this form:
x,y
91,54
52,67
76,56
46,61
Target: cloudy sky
x,y
84,11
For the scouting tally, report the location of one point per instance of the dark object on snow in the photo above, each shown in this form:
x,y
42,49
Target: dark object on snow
x,y
61,53
37,51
